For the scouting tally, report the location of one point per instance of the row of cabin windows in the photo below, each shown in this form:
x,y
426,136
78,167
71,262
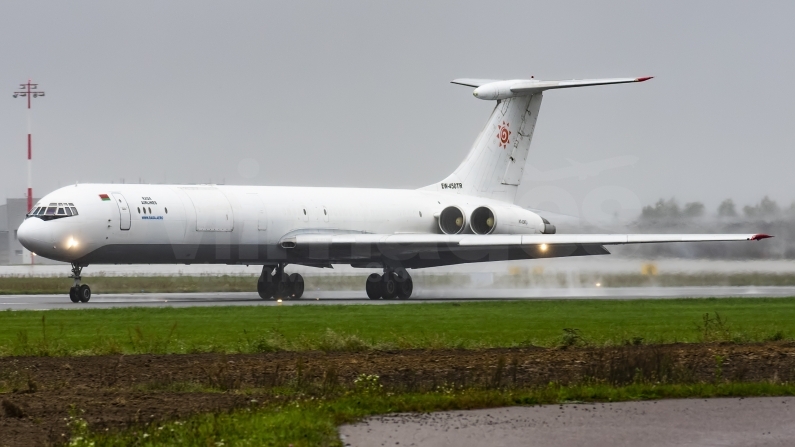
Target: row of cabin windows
x,y
150,210
54,211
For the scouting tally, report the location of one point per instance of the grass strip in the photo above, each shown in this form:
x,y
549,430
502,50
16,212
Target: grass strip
x,y
470,325
313,422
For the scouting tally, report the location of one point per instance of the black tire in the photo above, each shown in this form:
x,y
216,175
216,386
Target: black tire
x,y
265,287
84,293
281,287
73,294
373,286
405,285
389,287
296,286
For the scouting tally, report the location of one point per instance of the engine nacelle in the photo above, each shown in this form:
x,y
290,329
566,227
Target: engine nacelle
x,y
508,220
452,220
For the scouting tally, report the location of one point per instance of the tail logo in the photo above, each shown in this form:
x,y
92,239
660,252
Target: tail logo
x,y
504,134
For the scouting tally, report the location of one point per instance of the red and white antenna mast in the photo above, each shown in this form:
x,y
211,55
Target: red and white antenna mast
x,y
29,91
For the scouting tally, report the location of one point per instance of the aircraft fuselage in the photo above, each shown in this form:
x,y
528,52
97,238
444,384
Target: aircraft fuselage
x,y
153,224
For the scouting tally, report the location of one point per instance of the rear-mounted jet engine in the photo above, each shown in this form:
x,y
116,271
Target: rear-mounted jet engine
x,y
452,220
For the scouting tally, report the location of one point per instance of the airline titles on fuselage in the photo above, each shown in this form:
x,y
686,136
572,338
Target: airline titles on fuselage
x,y
149,201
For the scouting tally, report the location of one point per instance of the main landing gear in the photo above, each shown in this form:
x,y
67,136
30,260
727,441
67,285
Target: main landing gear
x,y
392,284
78,293
279,285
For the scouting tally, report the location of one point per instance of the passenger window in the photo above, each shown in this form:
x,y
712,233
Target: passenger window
x,y
304,211
166,210
150,210
139,210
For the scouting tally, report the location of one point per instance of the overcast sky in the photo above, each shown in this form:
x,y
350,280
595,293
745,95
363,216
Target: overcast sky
x,y
358,94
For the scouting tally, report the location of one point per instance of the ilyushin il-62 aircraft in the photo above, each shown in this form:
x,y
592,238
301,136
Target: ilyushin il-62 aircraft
x,y
470,216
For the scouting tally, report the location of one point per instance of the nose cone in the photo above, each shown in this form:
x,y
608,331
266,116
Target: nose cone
x,y
34,235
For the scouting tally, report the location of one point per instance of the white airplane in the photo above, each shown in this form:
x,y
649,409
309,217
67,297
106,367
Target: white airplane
x,y
470,216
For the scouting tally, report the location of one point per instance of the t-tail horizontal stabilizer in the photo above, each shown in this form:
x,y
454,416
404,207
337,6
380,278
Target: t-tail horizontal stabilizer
x,y
495,165
490,89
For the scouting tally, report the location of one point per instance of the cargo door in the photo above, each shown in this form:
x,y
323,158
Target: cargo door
x,y
213,210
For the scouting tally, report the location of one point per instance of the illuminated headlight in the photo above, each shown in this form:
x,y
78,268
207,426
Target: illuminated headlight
x,y
71,243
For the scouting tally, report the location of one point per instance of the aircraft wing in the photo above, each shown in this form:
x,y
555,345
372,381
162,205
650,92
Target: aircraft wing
x,y
433,250
503,240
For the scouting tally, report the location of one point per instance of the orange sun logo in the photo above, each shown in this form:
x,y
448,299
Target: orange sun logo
x,y
504,134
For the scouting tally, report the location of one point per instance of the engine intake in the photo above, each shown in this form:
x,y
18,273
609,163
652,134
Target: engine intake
x,y
483,220
452,220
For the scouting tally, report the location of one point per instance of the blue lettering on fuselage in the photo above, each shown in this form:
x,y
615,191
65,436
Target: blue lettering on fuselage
x,y
152,217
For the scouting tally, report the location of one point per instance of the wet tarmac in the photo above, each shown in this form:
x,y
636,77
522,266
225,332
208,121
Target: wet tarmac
x,y
765,421
316,297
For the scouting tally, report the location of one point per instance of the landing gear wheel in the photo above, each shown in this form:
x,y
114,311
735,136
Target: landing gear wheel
x,y
84,293
373,286
405,285
389,286
78,293
296,286
265,287
281,286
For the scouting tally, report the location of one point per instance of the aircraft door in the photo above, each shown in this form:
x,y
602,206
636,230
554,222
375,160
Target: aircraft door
x,y
124,211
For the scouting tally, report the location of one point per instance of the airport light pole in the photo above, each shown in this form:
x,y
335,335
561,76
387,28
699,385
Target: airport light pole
x,y
29,91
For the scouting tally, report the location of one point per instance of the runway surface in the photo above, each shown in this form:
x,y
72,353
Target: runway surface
x,y
683,422
315,297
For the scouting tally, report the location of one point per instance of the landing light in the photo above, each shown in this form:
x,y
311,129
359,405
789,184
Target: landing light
x,y
71,243
543,247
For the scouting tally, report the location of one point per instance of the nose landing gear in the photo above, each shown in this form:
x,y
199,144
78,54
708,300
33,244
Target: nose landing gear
x,y
279,285
392,284
78,293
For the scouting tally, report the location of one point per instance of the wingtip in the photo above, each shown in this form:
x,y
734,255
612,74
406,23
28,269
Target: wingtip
x,y
759,237
645,78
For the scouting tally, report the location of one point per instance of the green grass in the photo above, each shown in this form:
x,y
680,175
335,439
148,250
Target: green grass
x,y
310,421
360,327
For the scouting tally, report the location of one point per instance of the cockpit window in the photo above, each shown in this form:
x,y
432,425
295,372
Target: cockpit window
x,y
53,211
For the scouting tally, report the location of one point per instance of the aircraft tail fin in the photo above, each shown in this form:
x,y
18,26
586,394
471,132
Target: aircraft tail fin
x,y
495,164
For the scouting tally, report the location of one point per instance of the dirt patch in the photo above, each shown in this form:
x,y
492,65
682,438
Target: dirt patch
x,y
117,391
